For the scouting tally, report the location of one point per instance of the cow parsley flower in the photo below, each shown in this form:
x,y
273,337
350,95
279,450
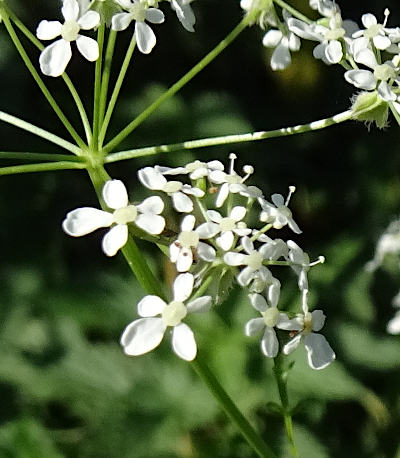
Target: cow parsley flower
x,y
55,57
373,31
146,333
84,220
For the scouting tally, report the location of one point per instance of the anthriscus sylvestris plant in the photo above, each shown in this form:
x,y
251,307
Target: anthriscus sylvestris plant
x,y
228,229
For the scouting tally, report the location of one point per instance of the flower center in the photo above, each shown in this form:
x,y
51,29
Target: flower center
x,y
172,186
70,30
227,224
307,323
271,316
174,313
384,72
138,12
255,260
189,239
373,31
125,215
233,179
335,34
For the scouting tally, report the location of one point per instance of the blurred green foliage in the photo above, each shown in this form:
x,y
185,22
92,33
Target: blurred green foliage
x,y
66,388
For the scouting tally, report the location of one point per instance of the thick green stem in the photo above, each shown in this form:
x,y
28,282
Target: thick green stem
x,y
97,87
229,139
177,86
292,11
40,132
281,379
39,80
117,88
27,156
45,167
229,407
106,74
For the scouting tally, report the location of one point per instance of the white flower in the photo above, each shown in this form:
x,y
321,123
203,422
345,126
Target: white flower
x,y
196,169
319,352
181,250
153,179
55,57
184,13
145,334
278,214
138,11
388,243
300,263
227,227
271,317
373,31
283,41
84,220
326,8
393,327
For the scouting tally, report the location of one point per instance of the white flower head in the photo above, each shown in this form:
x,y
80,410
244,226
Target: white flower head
x,y
319,352
55,57
374,32
146,216
146,333
138,11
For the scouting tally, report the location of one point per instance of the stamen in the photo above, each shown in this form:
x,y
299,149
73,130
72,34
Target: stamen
x,y
292,189
386,13
232,157
320,260
248,170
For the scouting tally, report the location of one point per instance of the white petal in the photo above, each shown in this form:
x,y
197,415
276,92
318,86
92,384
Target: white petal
x,y
362,79
182,203
225,240
280,58
245,276
201,304
234,259
207,230
269,343
258,302
237,213
151,306
272,38
366,57
254,326
274,292
185,260
381,42
84,220
188,223
214,216
292,344
222,195
89,20
115,239
183,342
154,15
368,20
115,194
183,287
206,252
187,189
47,30
142,336
247,244
386,92
217,176
277,200
174,250
333,52
319,352
185,15
295,324
318,320
293,226
88,48
302,29
145,38
153,224
153,205
121,21
70,10
54,58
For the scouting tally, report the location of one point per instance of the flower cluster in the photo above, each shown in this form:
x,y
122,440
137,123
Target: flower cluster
x,y
370,54
222,239
86,15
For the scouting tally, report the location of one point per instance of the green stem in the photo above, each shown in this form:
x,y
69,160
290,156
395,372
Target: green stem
x,y
64,76
248,432
394,112
39,132
106,74
177,86
97,87
281,380
27,156
45,167
293,11
228,139
117,88
39,80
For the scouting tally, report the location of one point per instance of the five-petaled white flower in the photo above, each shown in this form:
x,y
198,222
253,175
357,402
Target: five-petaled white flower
x,y
84,220
55,57
146,333
138,11
373,31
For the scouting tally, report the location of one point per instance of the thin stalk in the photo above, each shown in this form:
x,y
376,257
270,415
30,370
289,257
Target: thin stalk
x,y
394,112
27,156
45,167
117,88
178,85
39,80
293,11
106,73
97,86
281,380
78,102
229,139
229,407
40,132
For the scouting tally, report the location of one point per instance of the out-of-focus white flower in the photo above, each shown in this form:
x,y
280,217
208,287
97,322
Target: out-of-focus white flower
x,y
184,13
388,243
155,180
146,333
319,352
393,327
138,11
84,220
55,57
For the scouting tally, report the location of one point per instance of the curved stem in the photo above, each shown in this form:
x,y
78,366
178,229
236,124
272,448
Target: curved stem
x,y
293,11
27,156
40,132
97,87
117,88
45,167
39,80
228,139
178,85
